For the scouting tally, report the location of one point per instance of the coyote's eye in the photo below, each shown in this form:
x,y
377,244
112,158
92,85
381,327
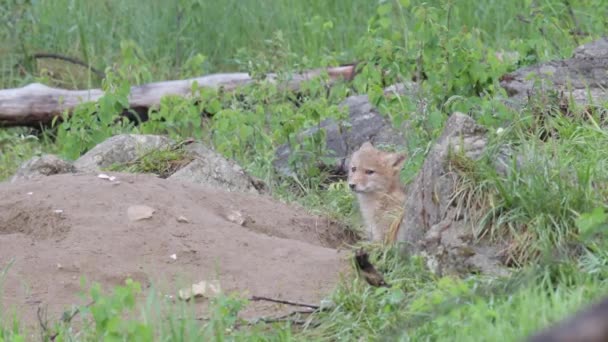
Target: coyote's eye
x,y
369,172
353,169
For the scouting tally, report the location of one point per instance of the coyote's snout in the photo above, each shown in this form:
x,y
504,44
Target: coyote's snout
x,y
374,176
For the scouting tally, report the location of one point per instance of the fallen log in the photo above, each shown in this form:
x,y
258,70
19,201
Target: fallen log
x,y
37,104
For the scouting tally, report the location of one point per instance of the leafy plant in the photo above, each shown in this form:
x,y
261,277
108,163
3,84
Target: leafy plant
x,y
93,122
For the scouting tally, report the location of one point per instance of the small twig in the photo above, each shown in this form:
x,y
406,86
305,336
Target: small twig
x,y
66,319
296,312
179,145
40,55
284,318
253,321
277,320
259,298
42,321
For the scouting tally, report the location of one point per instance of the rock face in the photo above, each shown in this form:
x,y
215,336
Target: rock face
x,y
583,76
45,165
210,168
433,225
364,124
119,149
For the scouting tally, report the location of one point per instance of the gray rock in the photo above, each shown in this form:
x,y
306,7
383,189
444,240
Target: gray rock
x,y
342,138
433,225
44,165
584,77
119,149
212,169
207,167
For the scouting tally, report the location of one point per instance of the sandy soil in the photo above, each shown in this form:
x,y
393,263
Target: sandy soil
x,y
57,229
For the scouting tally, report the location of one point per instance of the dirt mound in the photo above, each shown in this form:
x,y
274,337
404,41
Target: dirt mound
x,y
60,228
33,218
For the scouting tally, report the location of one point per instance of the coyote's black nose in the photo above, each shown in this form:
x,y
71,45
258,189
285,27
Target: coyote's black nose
x,y
352,186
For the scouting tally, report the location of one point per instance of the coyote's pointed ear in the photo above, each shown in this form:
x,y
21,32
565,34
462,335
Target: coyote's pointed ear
x,y
395,160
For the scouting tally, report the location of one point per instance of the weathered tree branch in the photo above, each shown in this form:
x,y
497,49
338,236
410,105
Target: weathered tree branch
x,y
37,104
280,301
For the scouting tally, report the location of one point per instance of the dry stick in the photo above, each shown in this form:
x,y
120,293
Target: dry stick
x,y
284,318
259,298
40,55
67,319
42,323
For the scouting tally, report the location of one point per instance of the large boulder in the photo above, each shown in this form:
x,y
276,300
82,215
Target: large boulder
x,y
206,167
433,224
210,168
583,77
120,149
44,165
364,123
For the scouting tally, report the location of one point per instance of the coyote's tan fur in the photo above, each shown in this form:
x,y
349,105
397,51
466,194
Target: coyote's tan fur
x,y
374,176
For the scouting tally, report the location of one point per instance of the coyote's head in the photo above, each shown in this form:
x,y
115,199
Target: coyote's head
x,y
372,170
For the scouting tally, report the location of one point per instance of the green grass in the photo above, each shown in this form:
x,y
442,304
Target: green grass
x,y
554,201
169,36
535,206
16,146
161,162
423,307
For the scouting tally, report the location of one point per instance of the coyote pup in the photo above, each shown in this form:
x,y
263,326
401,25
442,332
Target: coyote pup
x,y
374,177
